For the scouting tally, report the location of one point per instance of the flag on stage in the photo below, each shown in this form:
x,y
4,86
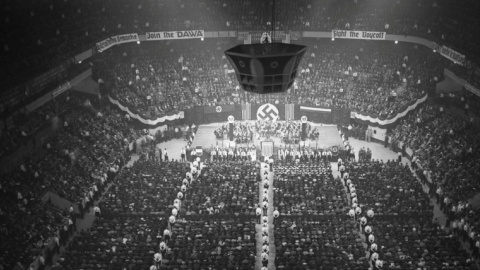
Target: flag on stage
x,y
246,111
289,111
219,109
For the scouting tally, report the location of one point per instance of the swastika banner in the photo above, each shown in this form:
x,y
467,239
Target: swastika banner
x,y
268,112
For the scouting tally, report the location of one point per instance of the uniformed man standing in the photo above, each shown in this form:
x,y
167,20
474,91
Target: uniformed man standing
x,y
183,154
264,259
265,208
258,212
225,155
342,170
166,235
214,154
165,152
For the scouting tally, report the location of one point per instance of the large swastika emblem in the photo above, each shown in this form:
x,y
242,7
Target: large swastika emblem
x,y
267,112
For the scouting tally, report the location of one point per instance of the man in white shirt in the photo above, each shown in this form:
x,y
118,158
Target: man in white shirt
x,y
183,154
276,214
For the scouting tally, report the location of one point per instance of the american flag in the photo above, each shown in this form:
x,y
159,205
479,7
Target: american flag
x,y
246,111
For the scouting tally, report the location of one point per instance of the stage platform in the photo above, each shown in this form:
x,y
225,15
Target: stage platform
x,y
328,137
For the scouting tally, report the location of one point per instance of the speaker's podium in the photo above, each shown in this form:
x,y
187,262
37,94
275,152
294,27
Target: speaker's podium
x,y
266,68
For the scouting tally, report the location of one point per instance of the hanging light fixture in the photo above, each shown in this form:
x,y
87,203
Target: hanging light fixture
x,y
267,67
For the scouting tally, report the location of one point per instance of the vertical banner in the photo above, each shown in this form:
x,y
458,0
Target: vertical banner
x,y
289,111
246,111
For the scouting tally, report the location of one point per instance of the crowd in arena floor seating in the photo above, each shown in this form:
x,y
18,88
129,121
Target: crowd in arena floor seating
x,y
378,79
391,188
147,187
402,233
308,189
417,242
132,242
76,164
307,243
214,226
225,188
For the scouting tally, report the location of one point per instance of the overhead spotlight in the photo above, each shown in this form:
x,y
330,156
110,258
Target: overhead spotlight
x,y
333,39
201,39
80,61
434,51
138,42
396,41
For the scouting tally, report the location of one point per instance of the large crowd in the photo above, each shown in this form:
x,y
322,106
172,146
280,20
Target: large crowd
x,y
396,218
92,142
190,218
60,29
376,79
76,163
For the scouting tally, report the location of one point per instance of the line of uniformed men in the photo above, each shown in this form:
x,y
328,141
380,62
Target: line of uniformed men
x,y
232,154
304,155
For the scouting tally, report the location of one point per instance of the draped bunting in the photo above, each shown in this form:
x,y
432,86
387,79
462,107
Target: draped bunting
x,y
143,119
390,120
202,115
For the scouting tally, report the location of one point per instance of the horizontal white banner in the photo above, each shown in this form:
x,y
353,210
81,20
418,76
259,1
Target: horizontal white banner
x,y
314,109
111,41
358,34
472,89
453,55
165,35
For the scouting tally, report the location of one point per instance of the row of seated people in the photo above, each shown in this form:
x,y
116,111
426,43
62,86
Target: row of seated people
x,y
412,242
403,233
64,27
378,79
308,190
198,240
133,241
388,187
76,164
150,187
224,188
146,187
312,243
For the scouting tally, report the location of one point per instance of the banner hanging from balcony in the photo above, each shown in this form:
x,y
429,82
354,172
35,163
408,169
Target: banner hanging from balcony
x,y
112,41
143,119
453,55
167,35
371,35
